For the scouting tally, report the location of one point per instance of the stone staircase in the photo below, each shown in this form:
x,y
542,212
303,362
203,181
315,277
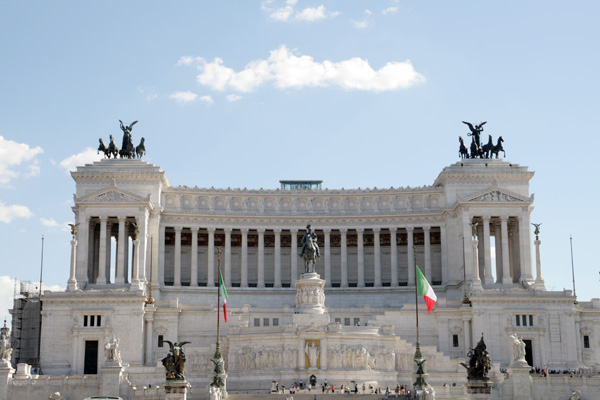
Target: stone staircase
x,y
307,396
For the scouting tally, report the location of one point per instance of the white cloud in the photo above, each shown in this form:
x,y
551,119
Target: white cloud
x,y
14,154
184,97
389,10
368,12
287,70
288,12
282,14
312,14
360,24
233,97
14,211
207,99
51,222
87,156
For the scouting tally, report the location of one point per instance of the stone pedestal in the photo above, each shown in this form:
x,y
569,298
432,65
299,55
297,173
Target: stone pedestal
x,y
23,371
6,372
479,389
521,382
111,379
310,297
176,390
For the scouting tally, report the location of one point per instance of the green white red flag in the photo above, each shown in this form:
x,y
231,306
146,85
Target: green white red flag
x,y
223,296
424,289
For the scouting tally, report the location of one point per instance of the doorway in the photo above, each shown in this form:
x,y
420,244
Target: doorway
x,y
90,363
528,352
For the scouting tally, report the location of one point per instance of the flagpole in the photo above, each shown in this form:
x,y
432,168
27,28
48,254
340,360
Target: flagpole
x,y
416,294
218,295
573,269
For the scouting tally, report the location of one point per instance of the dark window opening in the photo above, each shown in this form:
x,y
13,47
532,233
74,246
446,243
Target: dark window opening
x,y
85,320
454,340
518,321
160,340
99,320
586,342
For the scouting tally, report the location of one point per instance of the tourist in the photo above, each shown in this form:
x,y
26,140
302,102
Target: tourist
x,y
364,387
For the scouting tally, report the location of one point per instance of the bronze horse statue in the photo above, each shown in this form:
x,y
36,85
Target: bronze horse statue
x,y
310,255
498,148
113,148
103,148
140,150
487,148
462,149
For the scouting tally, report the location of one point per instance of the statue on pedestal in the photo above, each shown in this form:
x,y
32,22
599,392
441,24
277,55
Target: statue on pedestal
x,y
480,362
174,361
310,249
5,348
518,349
111,350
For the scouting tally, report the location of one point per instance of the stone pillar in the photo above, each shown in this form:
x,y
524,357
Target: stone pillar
x,y
344,257
210,276
360,241
294,256
244,258
327,233
227,277
194,257
538,263
121,245
476,279
161,254
525,246
444,248
467,248
177,266
149,310
101,279
427,240
513,252
277,276
498,239
135,274
111,380
261,258
506,278
83,255
144,236
109,254
521,381
72,283
394,256
410,254
377,256
466,330
176,390
488,279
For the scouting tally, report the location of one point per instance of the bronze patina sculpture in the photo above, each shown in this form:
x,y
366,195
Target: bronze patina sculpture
x,y
174,361
480,362
476,149
127,149
310,249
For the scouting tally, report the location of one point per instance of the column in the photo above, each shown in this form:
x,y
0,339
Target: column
x,y
261,258
410,254
511,253
194,257
377,257
468,247
344,257
327,233
525,246
277,282
135,274
72,283
161,254
109,254
476,279
244,257
467,333
361,256
101,279
210,276
538,261
83,255
177,266
227,263
506,278
120,267
444,248
498,240
149,317
427,240
488,279
144,237
394,256
294,256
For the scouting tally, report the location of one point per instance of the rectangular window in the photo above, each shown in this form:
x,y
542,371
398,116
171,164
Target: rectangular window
x,y
518,320
98,320
524,320
356,321
454,340
160,340
275,321
91,320
586,342
265,321
531,320
256,321
85,320
338,320
347,321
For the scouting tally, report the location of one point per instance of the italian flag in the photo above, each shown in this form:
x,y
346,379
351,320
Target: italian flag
x,y
223,296
424,289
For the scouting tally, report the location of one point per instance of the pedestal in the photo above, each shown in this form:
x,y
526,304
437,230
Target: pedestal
x,y
479,389
176,390
521,381
111,379
310,297
6,372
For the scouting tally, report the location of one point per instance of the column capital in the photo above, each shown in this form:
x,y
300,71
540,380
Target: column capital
x,y
103,218
504,218
122,218
244,231
409,228
343,231
486,218
227,230
326,230
177,229
294,230
194,229
88,218
360,230
261,231
376,230
426,228
277,231
393,230
211,230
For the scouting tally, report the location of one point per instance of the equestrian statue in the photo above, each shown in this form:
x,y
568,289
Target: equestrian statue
x,y
310,250
476,150
128,150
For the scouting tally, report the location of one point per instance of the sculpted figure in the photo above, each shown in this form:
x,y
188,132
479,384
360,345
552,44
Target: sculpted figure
x,y
518,348
312,352
174,361
480,362
111,350
127,149
103,148
475,131
310,249
5,349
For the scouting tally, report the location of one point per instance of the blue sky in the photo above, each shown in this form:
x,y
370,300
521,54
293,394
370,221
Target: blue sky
x,y
245,93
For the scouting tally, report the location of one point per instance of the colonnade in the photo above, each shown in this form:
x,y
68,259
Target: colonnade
x,y
348,256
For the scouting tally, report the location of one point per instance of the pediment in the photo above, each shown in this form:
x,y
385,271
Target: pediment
x,y
112,194
312,329
496,195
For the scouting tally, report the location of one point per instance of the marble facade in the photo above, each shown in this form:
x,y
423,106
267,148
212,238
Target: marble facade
x,y
355,323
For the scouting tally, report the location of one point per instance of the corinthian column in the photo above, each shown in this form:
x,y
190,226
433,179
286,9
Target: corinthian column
x,y
261,258
101,279
410,253
121,245
294,256
487,248
210,275
394,256
327,233
72,283
194,257
244,257
227,256
427,240
177,272
506,278
344,257
377,256
361,257
277,282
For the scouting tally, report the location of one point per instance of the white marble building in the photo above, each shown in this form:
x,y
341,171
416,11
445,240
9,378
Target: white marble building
x,y
366,331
